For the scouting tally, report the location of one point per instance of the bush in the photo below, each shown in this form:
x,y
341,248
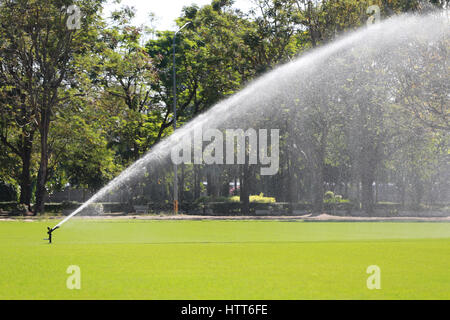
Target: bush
x,y
225,208
331,198
261,199
302,206
202,200
328,195
7,192
161,206
207,199
336,200
255,199
8,206
220,199
190,206
342,206
20,210
60,207
115,207
388,206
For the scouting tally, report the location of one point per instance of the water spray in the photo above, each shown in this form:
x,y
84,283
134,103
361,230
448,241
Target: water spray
x,y
277,87
50,230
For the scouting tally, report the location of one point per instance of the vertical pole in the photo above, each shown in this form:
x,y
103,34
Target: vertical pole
x,y
175,167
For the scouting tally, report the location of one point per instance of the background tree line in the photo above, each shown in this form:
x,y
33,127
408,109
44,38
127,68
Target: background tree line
x,y
77,106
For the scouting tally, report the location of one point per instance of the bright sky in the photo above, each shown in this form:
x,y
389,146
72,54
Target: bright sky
x,y
166,11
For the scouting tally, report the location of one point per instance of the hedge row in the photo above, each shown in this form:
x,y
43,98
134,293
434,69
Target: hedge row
x,y
65,207
278,208
213,208
8,206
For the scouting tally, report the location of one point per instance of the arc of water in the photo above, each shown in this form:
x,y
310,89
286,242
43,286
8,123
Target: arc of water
x,y
223,110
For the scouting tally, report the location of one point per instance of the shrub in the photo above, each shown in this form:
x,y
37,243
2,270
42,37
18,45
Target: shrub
x,y
8,206
190,206
220,199
336,200
53,207
344,206
202,200
64,206
302,206
115,207
7,192
226,208
328,195
20,209
261,199
212,199
70,204
158,207
255,199
388,206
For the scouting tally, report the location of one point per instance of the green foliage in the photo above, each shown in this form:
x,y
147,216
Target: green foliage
x,y
7,192
19,209
329,195
225,208
81,154
254,199
114,101
8,205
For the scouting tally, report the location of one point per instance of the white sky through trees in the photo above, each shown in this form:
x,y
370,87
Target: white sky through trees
x,y
166,11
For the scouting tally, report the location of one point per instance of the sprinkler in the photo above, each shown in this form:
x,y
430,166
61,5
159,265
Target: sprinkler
x,y
49,232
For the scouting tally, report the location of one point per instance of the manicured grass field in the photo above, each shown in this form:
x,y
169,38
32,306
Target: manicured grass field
x,y
225,260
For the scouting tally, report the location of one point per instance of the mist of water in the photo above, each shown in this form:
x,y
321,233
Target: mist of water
x,y
373,61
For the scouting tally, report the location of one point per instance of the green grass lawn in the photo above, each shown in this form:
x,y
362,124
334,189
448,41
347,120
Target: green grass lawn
x,y
225,260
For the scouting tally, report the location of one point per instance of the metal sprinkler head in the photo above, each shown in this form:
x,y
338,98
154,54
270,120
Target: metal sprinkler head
x,y
49,232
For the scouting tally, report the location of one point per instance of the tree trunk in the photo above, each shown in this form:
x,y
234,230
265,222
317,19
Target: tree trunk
x,y
181,184
25,181
41,181
319,172
43,166
318,188
367,200
289,184
419,191
225,185
196,181
25,177
209,184
403,196
244,194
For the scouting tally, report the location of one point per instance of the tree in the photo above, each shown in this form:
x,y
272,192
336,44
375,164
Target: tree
x,y
424,83
39,45
17,131
126,74
80,156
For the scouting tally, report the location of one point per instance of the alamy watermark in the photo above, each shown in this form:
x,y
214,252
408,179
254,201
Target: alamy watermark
x,y
241,147
375,16
74,17
374,280
74,280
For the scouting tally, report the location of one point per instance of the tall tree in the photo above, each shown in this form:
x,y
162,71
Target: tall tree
x,y
42,38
